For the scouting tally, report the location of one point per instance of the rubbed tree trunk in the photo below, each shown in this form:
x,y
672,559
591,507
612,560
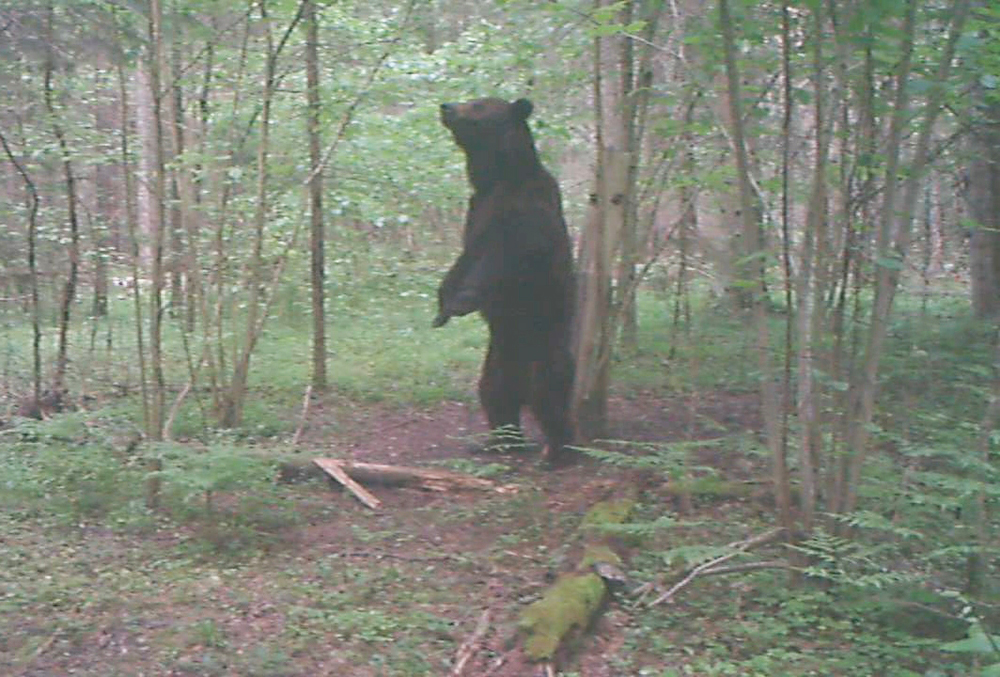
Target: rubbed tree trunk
x,y
594,332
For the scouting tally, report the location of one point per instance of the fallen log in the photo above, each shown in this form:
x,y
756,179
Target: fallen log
x,y
552,624
429,479
426,478
336,471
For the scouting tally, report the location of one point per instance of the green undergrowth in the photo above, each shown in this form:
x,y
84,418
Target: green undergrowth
x,y
223,542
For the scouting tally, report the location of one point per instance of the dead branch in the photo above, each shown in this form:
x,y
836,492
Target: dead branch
x,y
336,471
168,426
738,548
471,644
302,417
424,478
747,566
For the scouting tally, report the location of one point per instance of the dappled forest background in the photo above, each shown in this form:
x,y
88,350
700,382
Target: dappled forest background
x,y
206,206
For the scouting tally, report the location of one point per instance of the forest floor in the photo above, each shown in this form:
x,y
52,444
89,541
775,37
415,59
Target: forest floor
x,y
356,592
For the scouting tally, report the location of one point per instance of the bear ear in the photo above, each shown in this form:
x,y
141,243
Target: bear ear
x,y
522,109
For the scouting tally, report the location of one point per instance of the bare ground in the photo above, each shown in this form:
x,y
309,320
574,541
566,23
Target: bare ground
x,y
352,591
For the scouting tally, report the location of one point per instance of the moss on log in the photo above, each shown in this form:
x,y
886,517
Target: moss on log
x,y
566,609
572,603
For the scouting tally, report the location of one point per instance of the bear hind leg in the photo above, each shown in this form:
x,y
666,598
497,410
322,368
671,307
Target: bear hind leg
x,y
503,389
551,389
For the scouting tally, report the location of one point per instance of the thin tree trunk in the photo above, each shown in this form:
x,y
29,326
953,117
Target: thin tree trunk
x,y
782,491
233,407
770,399
179,216
845,346
69,287
134,252
36,327
316,244
983,200
977,564
811,290
159,236
894,234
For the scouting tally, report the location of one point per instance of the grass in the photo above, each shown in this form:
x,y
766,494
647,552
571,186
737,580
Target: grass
x,y
234,574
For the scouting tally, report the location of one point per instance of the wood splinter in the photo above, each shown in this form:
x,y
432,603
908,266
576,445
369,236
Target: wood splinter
x,y
337,472
349,474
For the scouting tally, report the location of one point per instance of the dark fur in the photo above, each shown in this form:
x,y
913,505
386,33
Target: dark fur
x,y
516,268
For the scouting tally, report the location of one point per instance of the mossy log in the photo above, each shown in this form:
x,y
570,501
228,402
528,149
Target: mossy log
x,y
572,604
566,609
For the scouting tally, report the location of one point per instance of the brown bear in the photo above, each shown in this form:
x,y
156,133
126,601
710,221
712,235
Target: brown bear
x,y
516,269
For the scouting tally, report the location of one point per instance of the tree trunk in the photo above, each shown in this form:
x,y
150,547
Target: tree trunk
x,y
751,235
36,328
782,490
893,237
983,199
158,223
131,228
594,333
316,240
69,287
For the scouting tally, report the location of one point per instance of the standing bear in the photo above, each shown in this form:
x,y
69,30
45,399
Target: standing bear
x,y
516,269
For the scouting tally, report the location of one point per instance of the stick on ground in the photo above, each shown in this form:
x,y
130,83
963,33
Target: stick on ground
x,y
471,644
337,472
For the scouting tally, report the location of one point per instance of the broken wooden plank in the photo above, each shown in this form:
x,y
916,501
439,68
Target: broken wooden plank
x,y
427,478
337,472
292,471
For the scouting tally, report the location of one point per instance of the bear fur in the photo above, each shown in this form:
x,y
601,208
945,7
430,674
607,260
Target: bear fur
x,y
516,269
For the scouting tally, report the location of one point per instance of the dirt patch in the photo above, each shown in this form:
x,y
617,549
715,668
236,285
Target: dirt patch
x,y
355,592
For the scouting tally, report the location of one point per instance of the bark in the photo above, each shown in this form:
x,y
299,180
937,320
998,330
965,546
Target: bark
x,y
186,280
977,564
894,231
69,286
782,492
180,212
36,327
850,274
316,244
131,229
158,239
811,290
983,200
604,223
232,412
103,187
751,235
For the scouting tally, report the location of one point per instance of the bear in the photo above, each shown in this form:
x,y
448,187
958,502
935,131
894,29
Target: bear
x,y
516,269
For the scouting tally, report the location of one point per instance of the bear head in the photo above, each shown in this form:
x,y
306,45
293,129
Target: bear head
x,y
494,135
